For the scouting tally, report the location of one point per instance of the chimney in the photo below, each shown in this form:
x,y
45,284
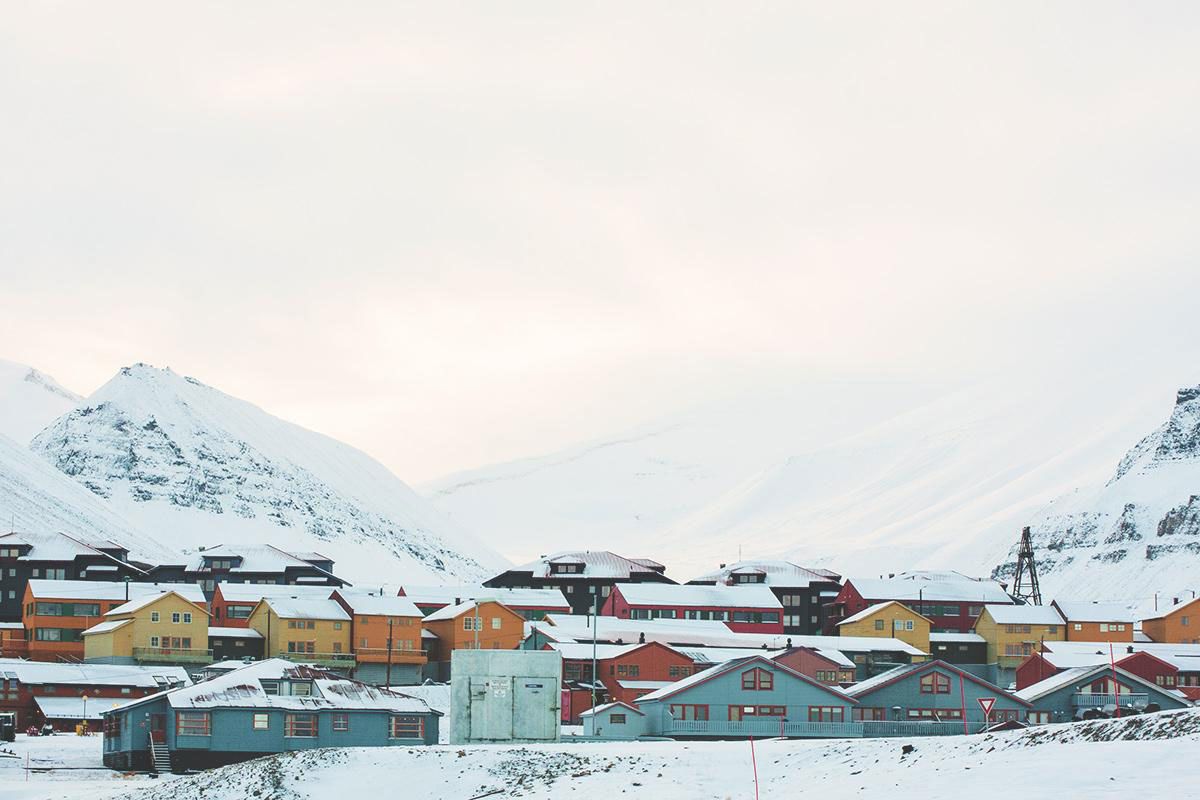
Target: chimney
x,y
1174,601
641,638
891,574
1129,649
721,567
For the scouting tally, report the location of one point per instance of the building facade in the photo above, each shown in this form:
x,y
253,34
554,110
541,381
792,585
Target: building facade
x,y
532,604
951,601
385,634
1095,692
892,620
938,692
744,609
1179,623
585,577
804,593
1095,622
304,630
163,628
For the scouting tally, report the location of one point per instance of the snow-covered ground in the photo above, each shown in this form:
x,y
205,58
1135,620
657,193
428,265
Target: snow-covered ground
x,y
1150,756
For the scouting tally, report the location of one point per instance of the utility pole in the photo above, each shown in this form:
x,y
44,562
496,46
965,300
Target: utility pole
x,y
475,624
1025,581
595,611
389,656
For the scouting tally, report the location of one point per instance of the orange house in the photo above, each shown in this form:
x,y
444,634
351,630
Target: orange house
x,y
482,625
1179,624
1089,621
56,613
379,623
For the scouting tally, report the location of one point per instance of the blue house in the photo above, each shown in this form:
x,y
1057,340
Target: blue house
x,y
1094,692
615,721
262,708
933,692
748,696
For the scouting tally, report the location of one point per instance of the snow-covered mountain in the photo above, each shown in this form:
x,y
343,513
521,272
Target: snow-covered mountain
x,y
862,478
193,467
1139,532
29,401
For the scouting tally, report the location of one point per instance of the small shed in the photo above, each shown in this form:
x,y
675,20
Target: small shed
x,y
614,721
509,696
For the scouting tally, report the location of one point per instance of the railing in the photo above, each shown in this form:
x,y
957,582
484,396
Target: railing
x,y
172,655
324,659
400,655
826,730
1085,700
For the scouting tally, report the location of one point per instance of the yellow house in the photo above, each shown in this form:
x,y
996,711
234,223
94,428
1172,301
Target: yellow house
x,y
891,619
1013,632
305,629
155,629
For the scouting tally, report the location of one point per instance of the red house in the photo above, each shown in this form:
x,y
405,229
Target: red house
x,y
830,667
1040,666
745,609
625,672
952,601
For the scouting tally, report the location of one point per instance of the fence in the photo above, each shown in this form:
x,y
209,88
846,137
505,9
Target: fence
x,y
1085,700
766,728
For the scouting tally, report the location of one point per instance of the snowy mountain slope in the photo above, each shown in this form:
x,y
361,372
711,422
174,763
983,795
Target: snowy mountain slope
x,y
29,401
864,479
1139,532
198,467
34,496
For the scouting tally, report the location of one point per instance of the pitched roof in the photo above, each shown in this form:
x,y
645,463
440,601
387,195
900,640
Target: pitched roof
x,y
931,586
775,573
871,611
1166,612
242,688
595,563
365,604
450,612
578,651
40,672
253,592
45,589
895,674
106,627
306,608
737,663
1023,615
76,707
957,637
1068,676
1184,657
1092,611
58,546
669,594
233,633
254,558
513,598
148,600
602,708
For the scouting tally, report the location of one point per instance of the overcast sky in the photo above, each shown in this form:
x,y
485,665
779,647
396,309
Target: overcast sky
x,y
453,234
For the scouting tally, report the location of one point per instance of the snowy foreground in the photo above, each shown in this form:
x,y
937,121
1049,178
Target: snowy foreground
x,y
1149,756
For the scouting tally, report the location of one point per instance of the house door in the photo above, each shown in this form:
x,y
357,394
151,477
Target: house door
x,y
535,708
158,727
491,708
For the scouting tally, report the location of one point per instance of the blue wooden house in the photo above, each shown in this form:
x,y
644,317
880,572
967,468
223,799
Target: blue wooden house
x,y
933,692
748,696
1095,692
262,708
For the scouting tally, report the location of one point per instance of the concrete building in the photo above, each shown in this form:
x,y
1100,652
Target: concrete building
x,y
509,696
268,707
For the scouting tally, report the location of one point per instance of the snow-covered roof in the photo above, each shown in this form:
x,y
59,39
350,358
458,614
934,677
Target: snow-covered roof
x,y
668,594
254,558
365,604
39,672
76,707
931,587
253,592
775,573
11,626
58,546
1023,615
719,655
872,610
1092,611
513,598
1069,676
1168,610
736,663
576,651
957,637
139,603
306,608
683,634
600,709
242,688
643,684
880,679
107,626
233,633
871,684
595,563
450,612
1184,657
44,589
226,665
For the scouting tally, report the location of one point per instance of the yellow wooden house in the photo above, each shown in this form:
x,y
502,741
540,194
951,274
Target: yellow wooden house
x,y
304,629
891,619
1013,632
162,628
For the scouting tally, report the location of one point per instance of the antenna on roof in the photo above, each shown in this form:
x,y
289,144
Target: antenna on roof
x,y
1025,581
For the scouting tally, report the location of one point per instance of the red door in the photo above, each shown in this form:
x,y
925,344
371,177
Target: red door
x,y
158,727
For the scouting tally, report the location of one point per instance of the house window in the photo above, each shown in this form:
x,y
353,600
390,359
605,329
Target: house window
x,y
341,723
154,641
935,683
269,687
472,624
300,725
337,626
934,714
758,680
192,723
616,719
495,623
1104,627
154,616
690,712
174,617
262,722
869,714
737,713
677,671
826,714
187,616
311,624
407,727
1078,627
902,624
878,624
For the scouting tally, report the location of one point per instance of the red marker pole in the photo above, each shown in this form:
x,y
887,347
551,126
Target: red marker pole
x,y
754,764
1112,661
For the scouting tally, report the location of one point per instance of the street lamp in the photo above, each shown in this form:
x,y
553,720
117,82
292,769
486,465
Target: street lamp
x,y
85,725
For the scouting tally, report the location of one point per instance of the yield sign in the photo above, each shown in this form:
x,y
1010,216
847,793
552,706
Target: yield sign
x,y
986,703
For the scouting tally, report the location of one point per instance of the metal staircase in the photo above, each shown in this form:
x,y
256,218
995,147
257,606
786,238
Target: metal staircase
x,y
160,756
